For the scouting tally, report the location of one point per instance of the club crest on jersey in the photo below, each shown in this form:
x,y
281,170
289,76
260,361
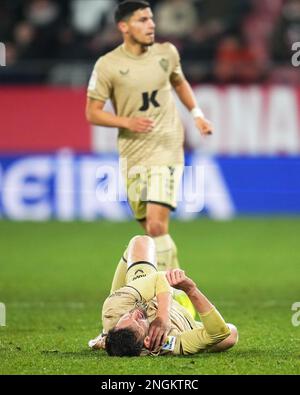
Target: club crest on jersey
x,y
164,64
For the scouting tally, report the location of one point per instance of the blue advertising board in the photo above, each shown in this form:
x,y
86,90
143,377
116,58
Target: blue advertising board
x,y
68,186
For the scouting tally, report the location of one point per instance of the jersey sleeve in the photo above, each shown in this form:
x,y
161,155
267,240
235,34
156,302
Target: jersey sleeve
x,y
213,331
151,285
177,72
100,85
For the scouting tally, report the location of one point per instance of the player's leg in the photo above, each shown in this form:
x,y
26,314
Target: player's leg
x,y
140,249
119,279
157,226
165,247
142,259
162,187
154,218
152,195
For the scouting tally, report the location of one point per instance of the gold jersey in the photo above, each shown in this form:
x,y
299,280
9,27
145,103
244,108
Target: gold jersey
x,y
140,86
190,336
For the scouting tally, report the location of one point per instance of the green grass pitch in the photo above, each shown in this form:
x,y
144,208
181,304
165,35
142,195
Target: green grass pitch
x,y
55,276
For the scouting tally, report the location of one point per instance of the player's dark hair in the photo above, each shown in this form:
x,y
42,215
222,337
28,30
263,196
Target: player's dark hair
x,y
128,7
123,342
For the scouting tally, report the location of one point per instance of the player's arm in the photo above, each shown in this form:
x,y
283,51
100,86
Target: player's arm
x,y
186,95
97,116
160,326
179,280
156,285
214,327
213,333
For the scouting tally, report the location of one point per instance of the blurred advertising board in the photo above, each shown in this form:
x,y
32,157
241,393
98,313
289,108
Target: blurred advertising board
x,y
68,186
250,120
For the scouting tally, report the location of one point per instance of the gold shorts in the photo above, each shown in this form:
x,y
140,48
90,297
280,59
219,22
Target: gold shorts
x,y
154,184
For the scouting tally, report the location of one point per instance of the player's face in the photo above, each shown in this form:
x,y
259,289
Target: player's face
x,y
136,320
141,27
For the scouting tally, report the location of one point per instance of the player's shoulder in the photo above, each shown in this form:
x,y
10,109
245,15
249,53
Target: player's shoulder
x,y
165,48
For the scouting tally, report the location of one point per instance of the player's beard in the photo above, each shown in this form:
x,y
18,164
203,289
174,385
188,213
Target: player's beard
x,y
143,43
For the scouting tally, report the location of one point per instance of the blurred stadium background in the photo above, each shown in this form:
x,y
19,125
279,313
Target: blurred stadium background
x,y
238,56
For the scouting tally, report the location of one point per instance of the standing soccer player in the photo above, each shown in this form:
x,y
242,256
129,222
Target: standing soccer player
x,y
138,77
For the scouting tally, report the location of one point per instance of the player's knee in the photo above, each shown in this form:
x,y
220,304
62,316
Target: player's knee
x,y
141,243
141,249
156,228
233,337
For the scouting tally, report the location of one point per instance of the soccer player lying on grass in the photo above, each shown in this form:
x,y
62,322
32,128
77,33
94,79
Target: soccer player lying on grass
x,y
141,318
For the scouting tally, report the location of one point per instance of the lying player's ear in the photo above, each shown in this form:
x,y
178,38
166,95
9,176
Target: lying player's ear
x,y
123,27
147,342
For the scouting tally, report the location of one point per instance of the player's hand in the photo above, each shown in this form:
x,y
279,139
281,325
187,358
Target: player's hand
x,y
140,125
177,279
98,343
158,332
205,126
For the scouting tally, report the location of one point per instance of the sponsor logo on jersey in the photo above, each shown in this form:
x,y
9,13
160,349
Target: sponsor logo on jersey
x,y
169,345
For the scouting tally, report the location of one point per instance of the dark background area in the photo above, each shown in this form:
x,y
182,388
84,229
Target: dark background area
x,y
230,41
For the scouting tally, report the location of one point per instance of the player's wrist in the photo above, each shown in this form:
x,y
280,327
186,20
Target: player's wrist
x,y
125,122
163,315
196,112
191,290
